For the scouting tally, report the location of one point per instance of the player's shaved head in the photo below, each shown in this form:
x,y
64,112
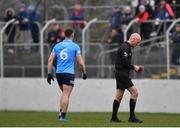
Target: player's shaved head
x,y
134,39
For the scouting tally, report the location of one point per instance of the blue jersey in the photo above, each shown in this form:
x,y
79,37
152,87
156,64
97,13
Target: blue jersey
x,y
66,52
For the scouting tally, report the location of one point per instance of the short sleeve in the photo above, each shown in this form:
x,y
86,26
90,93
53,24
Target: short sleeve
x,y
54,50
78,51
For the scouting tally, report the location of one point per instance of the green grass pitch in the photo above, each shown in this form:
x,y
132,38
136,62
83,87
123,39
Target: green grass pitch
x,y
84,119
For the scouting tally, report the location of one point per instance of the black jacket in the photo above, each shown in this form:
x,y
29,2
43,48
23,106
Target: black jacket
x,y
123,60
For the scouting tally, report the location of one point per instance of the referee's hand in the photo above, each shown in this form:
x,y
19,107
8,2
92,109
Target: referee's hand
x,y
84,76
138,68
49,78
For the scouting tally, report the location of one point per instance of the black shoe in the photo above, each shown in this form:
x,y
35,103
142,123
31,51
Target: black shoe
x,y
134,119
115,120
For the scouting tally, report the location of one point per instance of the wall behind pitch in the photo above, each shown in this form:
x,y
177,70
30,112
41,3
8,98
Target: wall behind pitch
x,y
89,95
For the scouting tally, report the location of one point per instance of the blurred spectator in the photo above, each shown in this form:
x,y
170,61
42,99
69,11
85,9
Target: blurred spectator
x,y
176,45
115,38
150,11
34,19
55,35
143,16
10,30
23,22
127,15
148,7
78,14
126,18
164,11
115,20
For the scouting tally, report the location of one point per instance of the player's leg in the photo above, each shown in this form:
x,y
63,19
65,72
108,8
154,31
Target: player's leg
x,y
61,89
132,104
59,78
67,89
116,104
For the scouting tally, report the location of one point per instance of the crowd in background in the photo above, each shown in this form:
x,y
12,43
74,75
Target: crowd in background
x,y
27,21
26,28
144,11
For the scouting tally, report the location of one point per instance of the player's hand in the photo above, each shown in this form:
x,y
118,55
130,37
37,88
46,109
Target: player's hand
x,y
84,76
49,78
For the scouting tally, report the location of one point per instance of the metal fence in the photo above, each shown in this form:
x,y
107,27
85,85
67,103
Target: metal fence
x,y
99,56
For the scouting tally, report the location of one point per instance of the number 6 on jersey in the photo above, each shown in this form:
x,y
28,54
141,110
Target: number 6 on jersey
x,y
63,54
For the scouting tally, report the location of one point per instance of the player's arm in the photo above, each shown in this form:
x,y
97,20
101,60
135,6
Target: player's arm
x,y
50,67
81,64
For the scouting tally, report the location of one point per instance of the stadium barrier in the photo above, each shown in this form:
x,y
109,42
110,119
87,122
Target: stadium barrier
x,y
90,95
101,57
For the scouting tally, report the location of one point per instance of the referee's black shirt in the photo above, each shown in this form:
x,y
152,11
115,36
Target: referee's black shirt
x,y
123,60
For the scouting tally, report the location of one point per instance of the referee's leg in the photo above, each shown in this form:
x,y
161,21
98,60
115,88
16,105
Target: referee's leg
x,y
67,89
132,104
116,104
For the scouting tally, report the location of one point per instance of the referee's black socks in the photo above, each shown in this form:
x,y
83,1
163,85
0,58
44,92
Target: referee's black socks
x,y
115,109
132,104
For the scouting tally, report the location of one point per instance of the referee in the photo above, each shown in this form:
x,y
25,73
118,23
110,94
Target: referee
x,y
66,53
123,81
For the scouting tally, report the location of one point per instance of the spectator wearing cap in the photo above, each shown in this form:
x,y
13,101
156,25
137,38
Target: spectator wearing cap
x,y
23,22
143,16
150,11
176,45
148,7
34,19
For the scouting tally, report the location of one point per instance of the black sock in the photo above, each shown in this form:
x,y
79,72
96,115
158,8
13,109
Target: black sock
x,y
63,114
132,104
115,109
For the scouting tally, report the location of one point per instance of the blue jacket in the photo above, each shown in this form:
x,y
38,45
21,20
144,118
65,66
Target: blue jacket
x,y
176,37
115,20
33,18
20,17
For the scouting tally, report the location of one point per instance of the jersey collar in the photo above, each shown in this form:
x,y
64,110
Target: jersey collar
x,y
67,40
128,43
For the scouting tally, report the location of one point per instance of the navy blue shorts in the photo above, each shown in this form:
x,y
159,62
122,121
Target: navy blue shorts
x,y
65,78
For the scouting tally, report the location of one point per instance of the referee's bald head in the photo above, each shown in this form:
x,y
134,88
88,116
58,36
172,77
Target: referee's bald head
x,y
134,39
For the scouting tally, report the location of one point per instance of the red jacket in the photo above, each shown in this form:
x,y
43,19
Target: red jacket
x,y
169,9
143,16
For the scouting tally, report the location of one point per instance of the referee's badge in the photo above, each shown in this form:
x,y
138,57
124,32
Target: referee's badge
x,y
125,54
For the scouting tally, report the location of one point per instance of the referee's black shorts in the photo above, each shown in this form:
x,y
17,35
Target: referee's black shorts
x,y
122,80
65,78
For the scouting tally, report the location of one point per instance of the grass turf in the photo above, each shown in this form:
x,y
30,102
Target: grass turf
x,y
84,119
